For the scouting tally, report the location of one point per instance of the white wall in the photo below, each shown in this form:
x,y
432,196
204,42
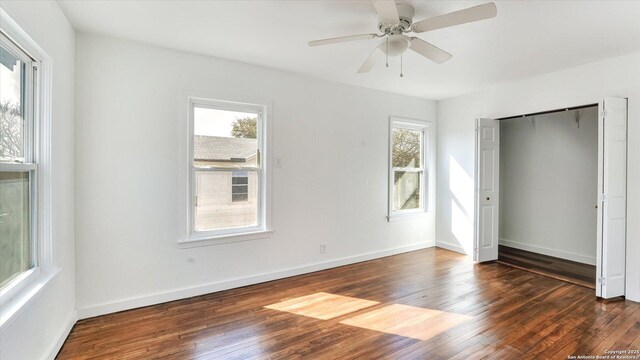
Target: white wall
x,y
43,323
332,187
580,85
549,184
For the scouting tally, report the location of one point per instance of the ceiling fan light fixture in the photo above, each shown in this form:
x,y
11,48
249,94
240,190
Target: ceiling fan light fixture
x,y
397,44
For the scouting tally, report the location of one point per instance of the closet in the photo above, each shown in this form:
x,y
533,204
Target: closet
x,y
550,193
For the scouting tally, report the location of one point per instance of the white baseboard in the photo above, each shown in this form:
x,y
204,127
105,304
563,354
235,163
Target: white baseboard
x,y
550,252
451,247
71,320
157,298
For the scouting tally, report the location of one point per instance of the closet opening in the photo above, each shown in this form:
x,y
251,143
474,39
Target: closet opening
x,y
550,193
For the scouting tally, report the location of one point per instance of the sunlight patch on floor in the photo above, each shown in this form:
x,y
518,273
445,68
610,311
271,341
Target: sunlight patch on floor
x,y
408,321
322,305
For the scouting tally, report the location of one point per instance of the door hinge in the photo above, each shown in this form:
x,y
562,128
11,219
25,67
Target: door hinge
x,y
603,113
602,280
603,197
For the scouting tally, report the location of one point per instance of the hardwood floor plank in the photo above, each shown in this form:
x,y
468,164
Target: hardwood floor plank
x,y
624,325
427,304
567,340
561,269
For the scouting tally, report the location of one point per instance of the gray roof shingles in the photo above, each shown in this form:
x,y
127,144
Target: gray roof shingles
x,y
218,148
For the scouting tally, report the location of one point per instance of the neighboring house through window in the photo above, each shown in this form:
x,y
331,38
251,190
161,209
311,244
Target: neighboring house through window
x,y
227,175
407,170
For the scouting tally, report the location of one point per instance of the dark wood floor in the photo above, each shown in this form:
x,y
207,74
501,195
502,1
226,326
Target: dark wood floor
x,y
566,270
427,304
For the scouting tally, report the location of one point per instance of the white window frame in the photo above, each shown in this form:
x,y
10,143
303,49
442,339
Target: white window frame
x,y
425,168
15,295
221,236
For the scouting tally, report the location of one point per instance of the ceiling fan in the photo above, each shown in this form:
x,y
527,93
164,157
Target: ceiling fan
x,y
395,20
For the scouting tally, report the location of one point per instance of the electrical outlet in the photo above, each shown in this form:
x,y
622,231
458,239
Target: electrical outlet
x,y
323,248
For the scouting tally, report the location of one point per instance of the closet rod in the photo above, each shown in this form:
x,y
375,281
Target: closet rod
x,y
549,112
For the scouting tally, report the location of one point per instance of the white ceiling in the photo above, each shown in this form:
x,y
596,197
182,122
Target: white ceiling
x,y
527,38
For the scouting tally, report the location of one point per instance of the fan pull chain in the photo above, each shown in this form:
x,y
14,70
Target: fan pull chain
x,y
401,75
387,53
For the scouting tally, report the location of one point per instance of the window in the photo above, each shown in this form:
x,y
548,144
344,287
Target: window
x,y
239,186
407,170
18,164
227,174
26,247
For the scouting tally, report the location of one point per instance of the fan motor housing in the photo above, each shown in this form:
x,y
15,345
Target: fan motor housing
x,y
405,14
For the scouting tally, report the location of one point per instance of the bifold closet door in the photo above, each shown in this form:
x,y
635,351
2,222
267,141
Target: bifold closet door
x,y
612,201
487,189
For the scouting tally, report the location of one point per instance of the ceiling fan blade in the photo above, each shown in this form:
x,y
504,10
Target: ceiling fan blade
x,y
387,11
367,65
429,51
464,16
340,39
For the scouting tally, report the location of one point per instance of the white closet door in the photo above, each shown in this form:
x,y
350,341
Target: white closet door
x,y
487,185
612,185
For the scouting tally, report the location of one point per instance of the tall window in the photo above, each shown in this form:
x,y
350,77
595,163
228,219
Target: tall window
x,y
407,171
18,164
227,174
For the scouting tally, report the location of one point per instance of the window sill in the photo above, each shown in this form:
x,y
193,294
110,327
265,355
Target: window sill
x,y
15,305
410,216
224,239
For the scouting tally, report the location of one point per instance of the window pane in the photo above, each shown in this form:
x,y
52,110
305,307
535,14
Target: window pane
x,y
240,189
220,204
224,138
15,247
12,75
240,180
406,148
406,190
240,197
